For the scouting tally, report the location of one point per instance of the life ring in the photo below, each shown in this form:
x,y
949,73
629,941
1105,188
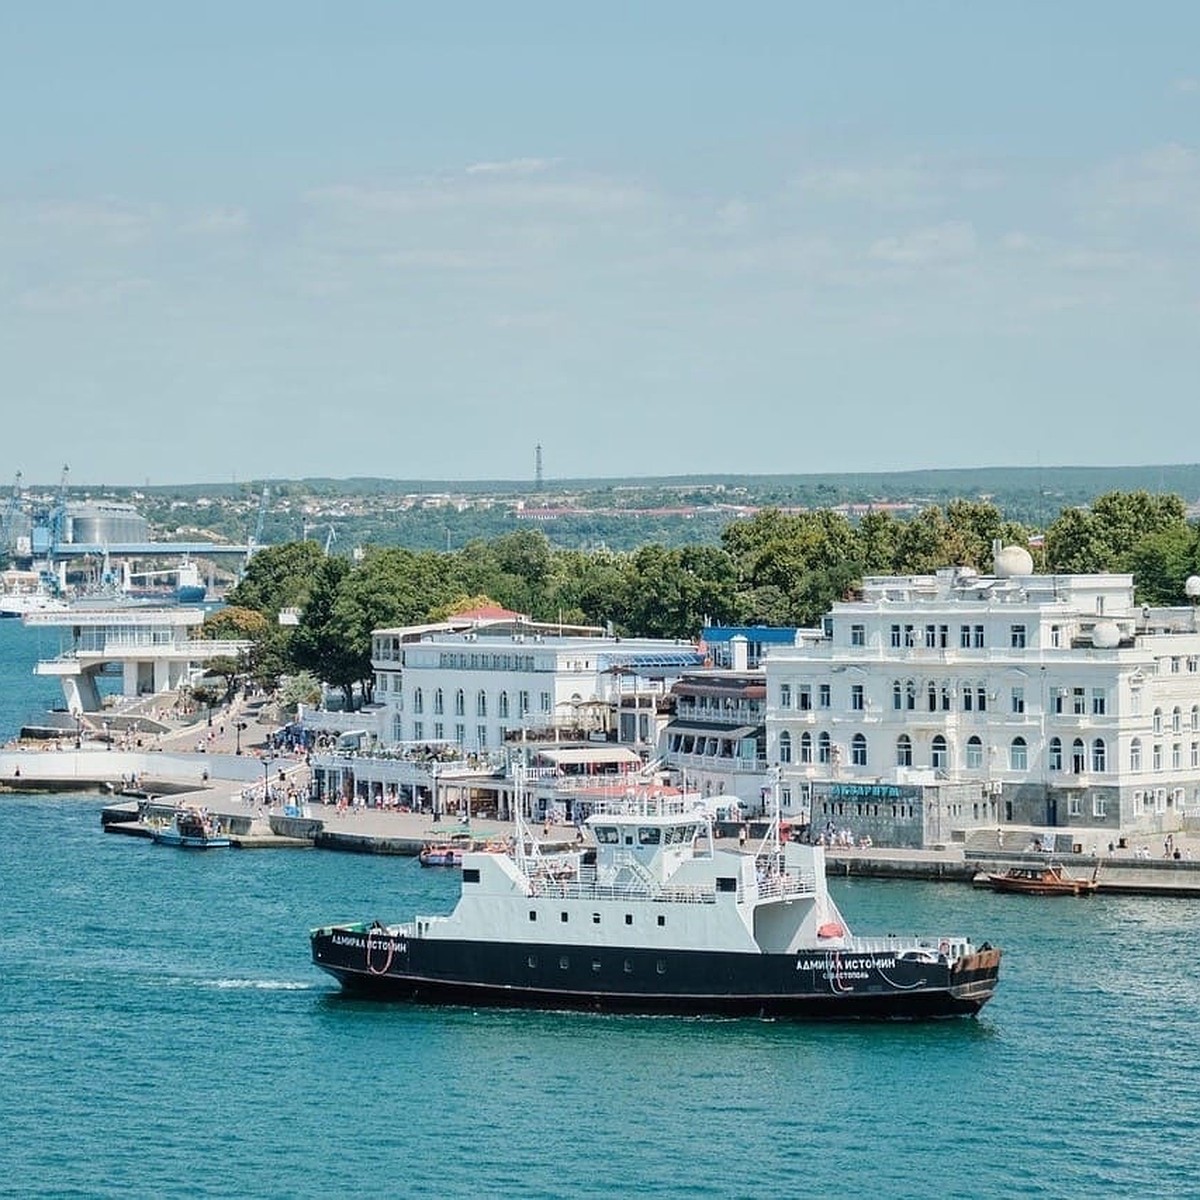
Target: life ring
x,y
944,948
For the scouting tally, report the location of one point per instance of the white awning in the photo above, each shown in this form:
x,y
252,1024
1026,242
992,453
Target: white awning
x,y
597,754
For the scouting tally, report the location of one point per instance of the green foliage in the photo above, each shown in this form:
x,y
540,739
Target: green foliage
x,y
278,577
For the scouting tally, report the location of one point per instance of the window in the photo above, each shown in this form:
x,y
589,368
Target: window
x,y
897,695
940,758
1176,756
858,750
931,696
418,701
1099,805
460,733
824,696
910,695
910,636
481,736
1156,757
544,701
1135,754
1158,720
1176,719
974,754
481,704
981,698
460,703
1175,666
904,751
806,748
930,637
1196,754
1099,702
968,697
439,702
964,637
1075,807
858,635
1056,754
824,748
502,704
857,699
978,638
523,704
1018,755
785,747
439,731
1056,636
1099,755
1078,705
1018,699
1078,758
1017,636
804,697
943,636
1195,718
418,731
896,643
1060,700
945,697
785,695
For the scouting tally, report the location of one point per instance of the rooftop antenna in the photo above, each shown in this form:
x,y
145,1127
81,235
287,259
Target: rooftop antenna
x,y
539,481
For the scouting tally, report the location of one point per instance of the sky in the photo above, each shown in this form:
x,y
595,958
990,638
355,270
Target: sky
x,y
283,239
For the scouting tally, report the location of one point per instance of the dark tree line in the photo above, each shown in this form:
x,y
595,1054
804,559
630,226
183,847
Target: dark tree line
x,y
776,568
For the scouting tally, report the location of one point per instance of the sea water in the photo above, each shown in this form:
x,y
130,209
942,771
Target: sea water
x,y
163,1033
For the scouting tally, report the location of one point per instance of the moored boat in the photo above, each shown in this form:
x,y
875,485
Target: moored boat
x,y
441,856
655,918
1041,879
192,829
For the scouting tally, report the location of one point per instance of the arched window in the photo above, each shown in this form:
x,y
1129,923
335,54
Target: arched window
x,y
1078,757
1135,754
858,750
1195,716
439,702
502,705
460,703
940,757
974,754
1176,719
931,695
785,747
1056,754
824,748
1099,755
1018,755
897,694
910,694
806,747
481,704
1158,720
418,701
904,751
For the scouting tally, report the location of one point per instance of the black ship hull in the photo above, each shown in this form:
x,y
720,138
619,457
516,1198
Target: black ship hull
x,y
810,985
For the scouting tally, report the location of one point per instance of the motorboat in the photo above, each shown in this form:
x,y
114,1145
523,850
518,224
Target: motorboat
x,y
1040,879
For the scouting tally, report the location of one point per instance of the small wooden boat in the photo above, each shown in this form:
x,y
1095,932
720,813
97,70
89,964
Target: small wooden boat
x,y
1048,879
441,856
190,829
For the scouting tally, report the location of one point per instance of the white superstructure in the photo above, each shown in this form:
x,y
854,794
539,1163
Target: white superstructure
x,y
1049,700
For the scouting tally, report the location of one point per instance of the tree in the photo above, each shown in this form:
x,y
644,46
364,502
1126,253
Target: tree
x,y
277,577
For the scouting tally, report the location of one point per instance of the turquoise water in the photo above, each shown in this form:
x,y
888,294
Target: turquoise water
x,y
165,1035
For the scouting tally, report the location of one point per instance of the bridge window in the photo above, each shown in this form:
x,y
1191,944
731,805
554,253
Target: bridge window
x,y
564,918
661,919
649,835
607,835
533,914
564,963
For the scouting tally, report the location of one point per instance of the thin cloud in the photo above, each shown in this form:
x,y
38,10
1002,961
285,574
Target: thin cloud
x,y
218,221
512,166
952,241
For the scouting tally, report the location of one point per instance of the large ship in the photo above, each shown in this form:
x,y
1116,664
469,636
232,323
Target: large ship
x,y
656,918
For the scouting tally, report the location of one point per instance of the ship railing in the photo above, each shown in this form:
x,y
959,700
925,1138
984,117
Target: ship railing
x,y
584,889
779,887
897,942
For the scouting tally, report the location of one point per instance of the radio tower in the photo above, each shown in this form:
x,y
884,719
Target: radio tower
x,y
538,479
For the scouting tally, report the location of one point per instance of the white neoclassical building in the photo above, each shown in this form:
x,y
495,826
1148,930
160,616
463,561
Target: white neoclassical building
x,y
475,687
933,704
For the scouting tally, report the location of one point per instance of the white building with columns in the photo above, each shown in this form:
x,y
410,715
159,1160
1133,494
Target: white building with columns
x,y
930,705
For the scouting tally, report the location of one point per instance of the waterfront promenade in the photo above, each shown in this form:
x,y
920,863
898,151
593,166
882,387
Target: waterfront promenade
x,y
236,787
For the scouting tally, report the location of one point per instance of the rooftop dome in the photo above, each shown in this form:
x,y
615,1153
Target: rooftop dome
x,y
1106,635
1013,560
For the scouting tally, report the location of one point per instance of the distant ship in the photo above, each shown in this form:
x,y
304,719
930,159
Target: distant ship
x,y
24,592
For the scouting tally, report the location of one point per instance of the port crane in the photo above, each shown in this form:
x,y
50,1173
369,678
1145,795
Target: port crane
x,y
256,537
10,515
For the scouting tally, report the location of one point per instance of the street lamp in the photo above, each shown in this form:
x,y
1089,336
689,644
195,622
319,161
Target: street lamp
x,y
239,726
78,731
